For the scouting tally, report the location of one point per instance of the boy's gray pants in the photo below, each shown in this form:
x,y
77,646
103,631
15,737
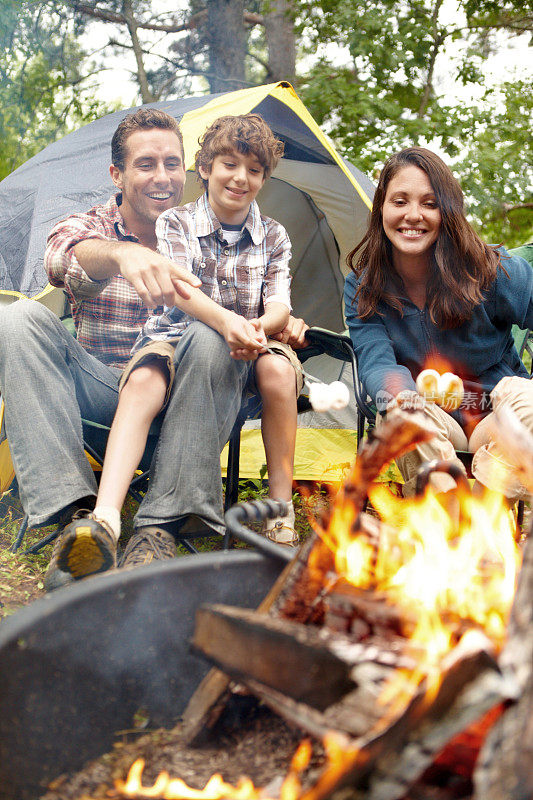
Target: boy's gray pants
x,y
49,383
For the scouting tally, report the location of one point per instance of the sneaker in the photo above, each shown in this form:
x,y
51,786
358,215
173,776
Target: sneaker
x,y
86,546
281,530
148,544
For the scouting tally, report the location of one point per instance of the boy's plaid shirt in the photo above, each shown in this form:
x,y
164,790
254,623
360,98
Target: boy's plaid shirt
x,y
108,314
242,277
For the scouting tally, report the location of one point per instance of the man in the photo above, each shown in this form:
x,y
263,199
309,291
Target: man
x,y
107,263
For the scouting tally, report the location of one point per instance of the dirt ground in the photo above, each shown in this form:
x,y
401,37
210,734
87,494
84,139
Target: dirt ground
x,y
252,742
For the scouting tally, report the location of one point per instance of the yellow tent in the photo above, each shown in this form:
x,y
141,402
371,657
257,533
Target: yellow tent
x,y
321,199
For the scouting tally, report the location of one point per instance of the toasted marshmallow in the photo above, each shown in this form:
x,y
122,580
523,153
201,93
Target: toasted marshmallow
x,y
427,384
451,391
446,390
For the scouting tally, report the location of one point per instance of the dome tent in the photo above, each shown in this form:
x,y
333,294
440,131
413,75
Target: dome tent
x,y
321,199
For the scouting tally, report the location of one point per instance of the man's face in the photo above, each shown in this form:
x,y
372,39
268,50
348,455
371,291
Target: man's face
x,y
152,179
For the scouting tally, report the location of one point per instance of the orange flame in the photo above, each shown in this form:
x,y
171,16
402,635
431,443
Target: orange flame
x,y
441,570
436,569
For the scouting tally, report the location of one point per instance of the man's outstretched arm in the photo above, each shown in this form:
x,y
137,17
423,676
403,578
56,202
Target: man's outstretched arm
x,y
155,278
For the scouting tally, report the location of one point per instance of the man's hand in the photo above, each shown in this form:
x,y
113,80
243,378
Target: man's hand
x,y
293,333
155,278
245,338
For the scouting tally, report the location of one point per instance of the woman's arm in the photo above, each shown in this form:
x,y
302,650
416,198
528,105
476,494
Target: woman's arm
x,y
382,377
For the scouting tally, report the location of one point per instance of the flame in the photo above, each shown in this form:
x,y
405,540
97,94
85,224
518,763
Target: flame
x,y
437,568
167,788
447,573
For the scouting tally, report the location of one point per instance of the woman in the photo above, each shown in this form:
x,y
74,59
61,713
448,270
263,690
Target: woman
x,y
426,292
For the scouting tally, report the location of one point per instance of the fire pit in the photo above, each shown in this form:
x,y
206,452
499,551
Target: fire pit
x,y
78,665
394,660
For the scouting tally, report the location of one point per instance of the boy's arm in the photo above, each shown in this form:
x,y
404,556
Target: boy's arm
x,y
174,240
275,317
239,333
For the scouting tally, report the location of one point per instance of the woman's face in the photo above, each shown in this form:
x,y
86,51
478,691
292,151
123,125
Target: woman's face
x,y
411,217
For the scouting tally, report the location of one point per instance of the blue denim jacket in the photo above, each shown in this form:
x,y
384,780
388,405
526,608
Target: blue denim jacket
x,y
390,345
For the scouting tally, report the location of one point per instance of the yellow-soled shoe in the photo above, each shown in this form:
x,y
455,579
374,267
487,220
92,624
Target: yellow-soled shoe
x,y
86,546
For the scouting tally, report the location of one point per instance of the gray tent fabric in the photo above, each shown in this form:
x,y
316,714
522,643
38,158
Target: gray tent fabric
x,y
72,175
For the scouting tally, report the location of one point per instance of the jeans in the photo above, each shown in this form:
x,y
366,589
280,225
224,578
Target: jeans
x,y
49,382
185,478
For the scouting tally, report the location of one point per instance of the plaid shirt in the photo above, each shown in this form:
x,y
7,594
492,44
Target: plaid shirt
x,y
108,314
242,277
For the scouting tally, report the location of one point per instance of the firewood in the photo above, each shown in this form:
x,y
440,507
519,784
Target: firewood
x,y
367,608
504,765
210,697
291,658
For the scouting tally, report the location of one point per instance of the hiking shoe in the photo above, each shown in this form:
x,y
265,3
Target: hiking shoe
x,y
148,544
85,547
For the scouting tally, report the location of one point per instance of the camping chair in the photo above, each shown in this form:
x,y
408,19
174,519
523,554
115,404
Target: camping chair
x,y
366,411
95,440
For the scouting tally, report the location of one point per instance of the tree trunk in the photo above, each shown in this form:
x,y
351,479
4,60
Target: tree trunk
x,y
226,38
131,22
280,39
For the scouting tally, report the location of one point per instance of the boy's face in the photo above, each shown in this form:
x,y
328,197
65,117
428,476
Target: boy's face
x,y
232,184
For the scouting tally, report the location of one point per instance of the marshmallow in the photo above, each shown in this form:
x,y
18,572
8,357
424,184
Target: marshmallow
x,y
325,397
427,384
339,395
451,390
446,390
319,397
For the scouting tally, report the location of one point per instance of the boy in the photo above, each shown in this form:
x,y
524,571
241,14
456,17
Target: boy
x,y
242,259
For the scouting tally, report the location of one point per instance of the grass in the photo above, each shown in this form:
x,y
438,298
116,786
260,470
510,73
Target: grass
x,y
21,575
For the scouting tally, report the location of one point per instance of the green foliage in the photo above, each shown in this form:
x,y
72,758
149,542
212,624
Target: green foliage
x,y
384,90
44,88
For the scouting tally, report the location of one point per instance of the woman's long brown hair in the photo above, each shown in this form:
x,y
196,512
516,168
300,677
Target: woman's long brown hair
x,y
462,266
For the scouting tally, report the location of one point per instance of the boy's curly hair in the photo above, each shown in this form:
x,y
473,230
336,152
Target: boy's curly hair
x,y
247,133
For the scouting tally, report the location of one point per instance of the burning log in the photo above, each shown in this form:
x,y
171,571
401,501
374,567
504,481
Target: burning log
x,y
322,681
299,591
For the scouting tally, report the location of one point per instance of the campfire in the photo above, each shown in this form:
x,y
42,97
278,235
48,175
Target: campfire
x,y
389,639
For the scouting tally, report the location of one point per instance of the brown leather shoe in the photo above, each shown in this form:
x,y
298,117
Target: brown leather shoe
x,y
146,545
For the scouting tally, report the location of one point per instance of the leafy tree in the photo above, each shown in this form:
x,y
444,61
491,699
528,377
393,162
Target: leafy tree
x,y
383,90
228,44
43,80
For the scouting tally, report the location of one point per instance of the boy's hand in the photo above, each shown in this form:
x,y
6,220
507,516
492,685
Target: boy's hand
x,y
245,338
293,333
157,280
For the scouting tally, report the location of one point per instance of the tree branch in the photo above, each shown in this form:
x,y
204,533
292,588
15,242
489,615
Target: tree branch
x,y
437,41
508,207
176,27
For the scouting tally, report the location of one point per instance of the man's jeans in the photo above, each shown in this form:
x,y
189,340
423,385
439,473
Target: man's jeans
x,y
49,382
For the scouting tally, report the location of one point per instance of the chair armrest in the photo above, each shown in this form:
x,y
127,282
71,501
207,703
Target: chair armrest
x,y
337,345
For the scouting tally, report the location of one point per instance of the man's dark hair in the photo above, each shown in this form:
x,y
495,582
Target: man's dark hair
x,y
141,120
